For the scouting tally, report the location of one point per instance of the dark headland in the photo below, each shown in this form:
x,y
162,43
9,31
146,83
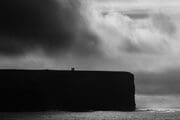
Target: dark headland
x,y
36,90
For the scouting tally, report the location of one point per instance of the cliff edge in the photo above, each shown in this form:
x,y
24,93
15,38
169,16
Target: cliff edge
x,y
35,90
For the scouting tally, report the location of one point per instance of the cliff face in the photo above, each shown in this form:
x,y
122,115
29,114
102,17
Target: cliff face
x,y
31,90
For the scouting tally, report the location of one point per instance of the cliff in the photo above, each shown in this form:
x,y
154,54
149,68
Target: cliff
x,y
34,90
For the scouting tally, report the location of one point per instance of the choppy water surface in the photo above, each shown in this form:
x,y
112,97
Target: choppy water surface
x,y
141,114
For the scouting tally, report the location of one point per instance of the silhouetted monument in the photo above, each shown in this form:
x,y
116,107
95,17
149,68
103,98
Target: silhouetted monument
x,y
72,69
34,90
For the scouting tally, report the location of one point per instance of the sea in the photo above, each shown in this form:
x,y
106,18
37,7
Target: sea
x,y
139,114
156,107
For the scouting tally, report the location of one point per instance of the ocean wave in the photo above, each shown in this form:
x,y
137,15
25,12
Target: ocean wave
x,y
159,109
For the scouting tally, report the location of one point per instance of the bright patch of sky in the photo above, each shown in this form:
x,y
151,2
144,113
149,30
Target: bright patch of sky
x,y
140,35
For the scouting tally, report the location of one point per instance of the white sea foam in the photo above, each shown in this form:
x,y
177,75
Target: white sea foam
x,y
163,110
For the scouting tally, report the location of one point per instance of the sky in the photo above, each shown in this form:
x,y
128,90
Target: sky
x,y
145,33
139,36
143,37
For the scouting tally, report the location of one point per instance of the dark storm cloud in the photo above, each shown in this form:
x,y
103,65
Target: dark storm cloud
x,y
139,48
136,14
51,25
164,23
130,47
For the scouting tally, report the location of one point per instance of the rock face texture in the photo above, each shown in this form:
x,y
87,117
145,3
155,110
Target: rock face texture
x,y
34,90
